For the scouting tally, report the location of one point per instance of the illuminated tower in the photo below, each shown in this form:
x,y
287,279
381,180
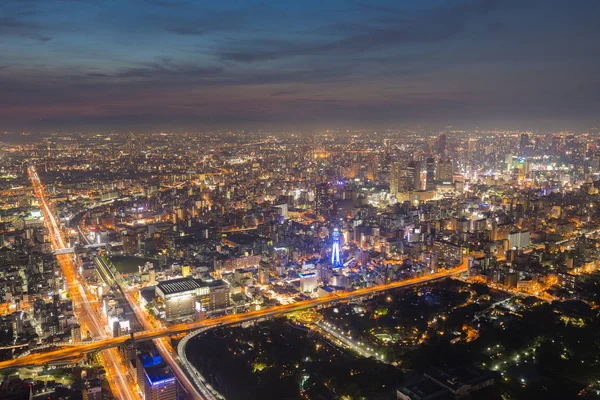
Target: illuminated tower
x,y
336,259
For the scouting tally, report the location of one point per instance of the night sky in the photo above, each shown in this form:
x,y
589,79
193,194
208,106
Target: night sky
x,y
124,64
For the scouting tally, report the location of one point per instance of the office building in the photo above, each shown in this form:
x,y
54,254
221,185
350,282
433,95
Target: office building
x,y
182,298
395,176
430,173
523,143
323,202
441,144
155,379
444,172
448,253
518,240
413,175
308,282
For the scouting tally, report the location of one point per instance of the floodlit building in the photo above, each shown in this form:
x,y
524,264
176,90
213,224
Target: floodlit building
x,y
395,176
450,253
519,240
182,298
308,282
155,379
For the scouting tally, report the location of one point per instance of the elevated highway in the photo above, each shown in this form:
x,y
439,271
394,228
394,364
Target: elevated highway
x,y
69,352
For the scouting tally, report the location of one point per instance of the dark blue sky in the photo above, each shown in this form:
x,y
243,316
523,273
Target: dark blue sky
x,y
305,63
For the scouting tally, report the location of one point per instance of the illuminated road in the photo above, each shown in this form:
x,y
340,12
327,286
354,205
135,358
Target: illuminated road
x,y
65,353
88,317
334,332
162,344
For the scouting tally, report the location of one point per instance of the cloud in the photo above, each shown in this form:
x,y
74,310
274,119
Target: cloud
x,y
379,28
17,27
298,61
317,100
162,71
188,31
285,92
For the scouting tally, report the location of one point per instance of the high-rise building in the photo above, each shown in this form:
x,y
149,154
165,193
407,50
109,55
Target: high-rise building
x,y
570,141
131,144
430,173
323,201
395,175
308,282
371,169
17,323
155,379
449,253
441,144
555,146
444,171
524,142
263,275
509,162
413,175
473,147
76,334
518,239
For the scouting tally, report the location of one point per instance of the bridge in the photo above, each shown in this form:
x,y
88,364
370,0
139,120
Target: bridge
x,y
66,250
69,250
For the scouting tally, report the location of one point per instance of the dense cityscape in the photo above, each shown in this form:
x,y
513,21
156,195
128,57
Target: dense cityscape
x,y
299,200
330,265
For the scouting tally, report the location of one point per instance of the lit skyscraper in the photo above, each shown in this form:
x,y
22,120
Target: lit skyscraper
x,y
441,144
395,174
430,170
323,201
444,171
413,175
524,144
155,378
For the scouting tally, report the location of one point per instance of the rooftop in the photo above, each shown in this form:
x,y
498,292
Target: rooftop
x,y
186,284
178,285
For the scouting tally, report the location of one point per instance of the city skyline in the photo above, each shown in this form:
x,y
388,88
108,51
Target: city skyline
x,y
300,65
258,265
342,199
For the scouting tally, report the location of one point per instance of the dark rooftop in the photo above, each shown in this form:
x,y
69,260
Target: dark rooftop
x,y
178,285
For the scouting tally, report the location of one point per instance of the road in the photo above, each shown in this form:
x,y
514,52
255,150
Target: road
x,y
88,317
93,322
68,352
162,344
345,340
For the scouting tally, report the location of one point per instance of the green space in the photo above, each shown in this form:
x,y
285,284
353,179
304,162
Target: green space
x,y
275,360
532,348
129,264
